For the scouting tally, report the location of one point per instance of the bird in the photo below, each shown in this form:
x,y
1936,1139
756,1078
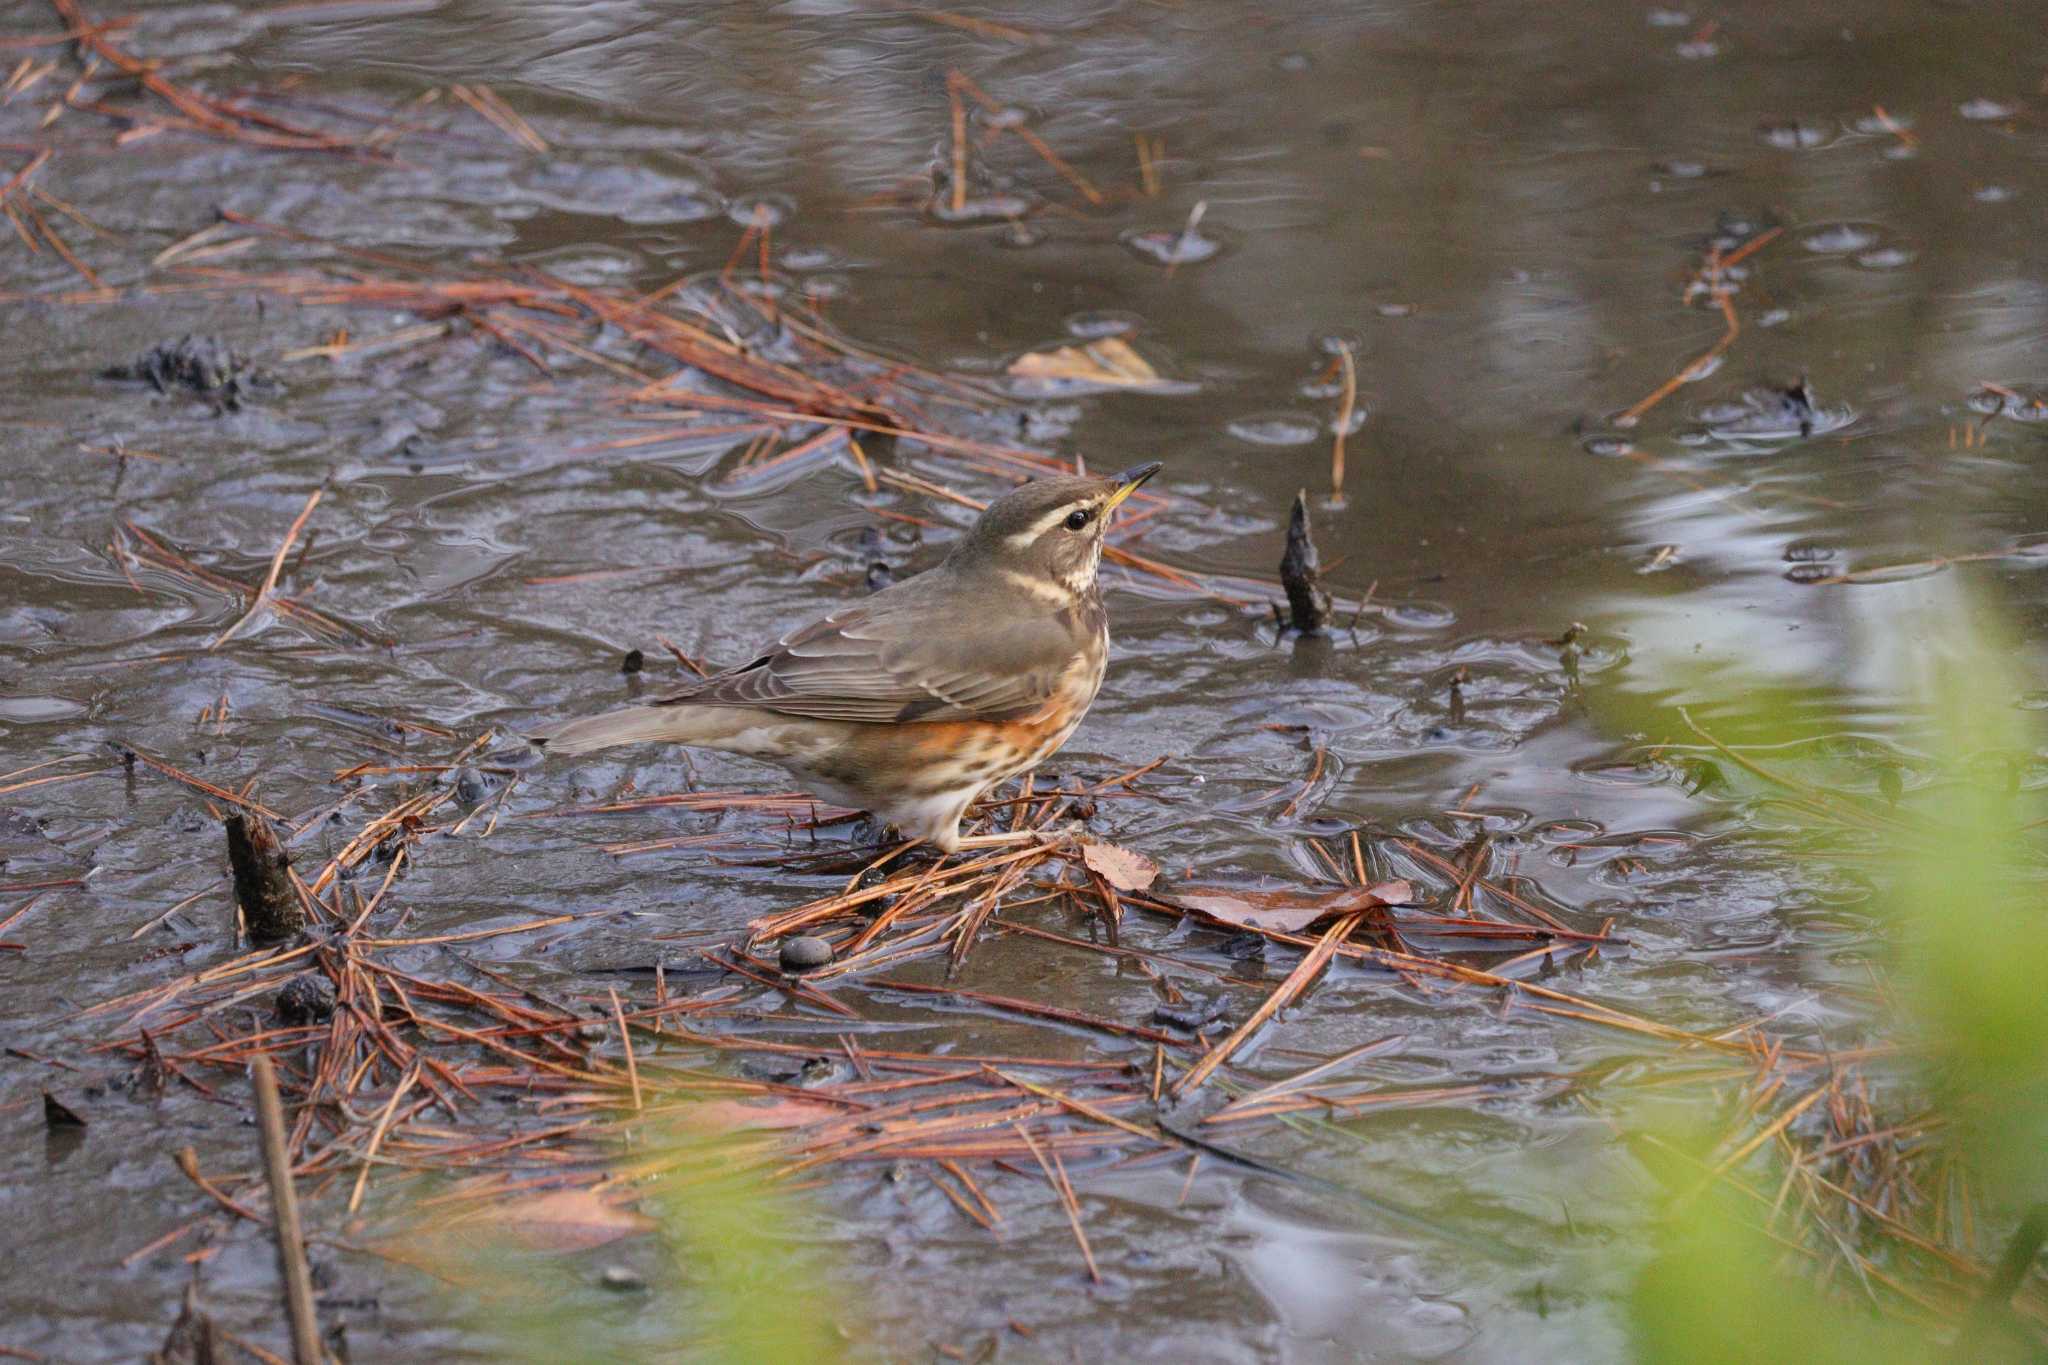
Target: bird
x,y
913,702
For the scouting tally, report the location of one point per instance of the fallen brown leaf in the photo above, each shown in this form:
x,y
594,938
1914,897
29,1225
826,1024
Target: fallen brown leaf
x,y
1123,868
564,1220
1287,909
1106,362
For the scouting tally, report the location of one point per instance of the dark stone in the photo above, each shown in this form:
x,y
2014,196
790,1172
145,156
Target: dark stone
x,y
203,365
305,999
471,786
804,953
621,1279
1192,1015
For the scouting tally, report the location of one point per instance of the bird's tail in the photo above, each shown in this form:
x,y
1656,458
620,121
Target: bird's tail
x,y
629,725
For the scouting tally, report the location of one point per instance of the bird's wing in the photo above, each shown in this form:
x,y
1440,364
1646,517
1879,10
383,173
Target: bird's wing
x,y
874,663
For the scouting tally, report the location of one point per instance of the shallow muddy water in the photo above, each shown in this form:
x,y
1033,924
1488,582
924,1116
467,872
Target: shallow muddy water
x,y
1497,212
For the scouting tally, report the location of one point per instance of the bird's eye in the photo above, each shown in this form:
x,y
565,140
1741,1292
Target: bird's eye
x,y
1078,518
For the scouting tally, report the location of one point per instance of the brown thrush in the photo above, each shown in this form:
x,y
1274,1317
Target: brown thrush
x,y
913,703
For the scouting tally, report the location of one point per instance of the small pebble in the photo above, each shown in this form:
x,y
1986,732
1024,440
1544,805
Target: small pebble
x,y
1193,1015
471,786
633,662
1244,946
805,952
305,999
622,1280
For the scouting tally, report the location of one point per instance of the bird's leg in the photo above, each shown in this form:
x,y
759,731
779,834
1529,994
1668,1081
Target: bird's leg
x,y
870,831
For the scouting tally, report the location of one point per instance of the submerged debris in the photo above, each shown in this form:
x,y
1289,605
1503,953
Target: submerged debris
x,y
204,365
1187,246
307,998
193,1339
879,573
1773,412
1194,1015
471,787
263,880
57,1114
1308,606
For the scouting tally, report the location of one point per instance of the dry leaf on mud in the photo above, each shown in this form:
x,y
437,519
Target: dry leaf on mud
x,y
1123,868
1106,362
1285,908
563,1220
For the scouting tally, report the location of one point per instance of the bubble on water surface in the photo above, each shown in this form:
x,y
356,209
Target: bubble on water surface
x,y
1338,340
810,258
761,210
1981,110
1793,135
1104,322
977,209
1418,615
1185,246
1276,429
1841,237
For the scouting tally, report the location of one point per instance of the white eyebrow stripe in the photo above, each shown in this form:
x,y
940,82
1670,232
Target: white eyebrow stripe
x,y
1039,587
1020,539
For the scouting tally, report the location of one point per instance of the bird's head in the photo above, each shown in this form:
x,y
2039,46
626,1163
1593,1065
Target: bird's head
x,y
1045,537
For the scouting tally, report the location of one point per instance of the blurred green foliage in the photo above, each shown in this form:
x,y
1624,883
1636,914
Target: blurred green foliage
x,y
729,1282
1960,871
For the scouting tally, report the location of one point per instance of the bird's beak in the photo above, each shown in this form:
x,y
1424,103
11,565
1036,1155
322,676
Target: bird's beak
x,y
1129,481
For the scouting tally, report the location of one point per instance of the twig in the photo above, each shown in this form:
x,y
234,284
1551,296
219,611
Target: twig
x,y
1712,273
1344,410
1297,980
1070,1205
626,1039
276,567
188,1162
355,1198
24,173
959,143
284,1199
